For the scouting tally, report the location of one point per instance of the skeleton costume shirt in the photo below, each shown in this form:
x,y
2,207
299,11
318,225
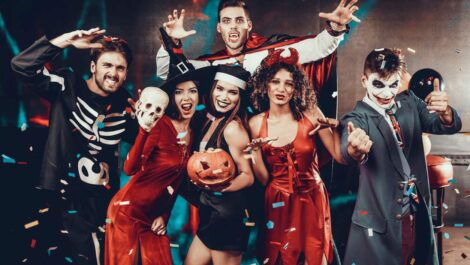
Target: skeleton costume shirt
x,y
81,154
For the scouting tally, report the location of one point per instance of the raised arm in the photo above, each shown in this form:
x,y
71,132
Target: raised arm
x,y
30,64
237,139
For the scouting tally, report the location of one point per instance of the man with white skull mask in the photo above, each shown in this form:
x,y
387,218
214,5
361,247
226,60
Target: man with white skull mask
x,y
383,136
150,107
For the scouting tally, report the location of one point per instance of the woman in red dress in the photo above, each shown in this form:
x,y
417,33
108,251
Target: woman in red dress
x,y
137,214
297,213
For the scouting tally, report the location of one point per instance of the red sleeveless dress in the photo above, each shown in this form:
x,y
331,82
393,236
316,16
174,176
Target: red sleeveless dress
x,y
296,202
157,161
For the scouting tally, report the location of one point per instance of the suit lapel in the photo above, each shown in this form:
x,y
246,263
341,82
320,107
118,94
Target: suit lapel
x,y
406,122
391,143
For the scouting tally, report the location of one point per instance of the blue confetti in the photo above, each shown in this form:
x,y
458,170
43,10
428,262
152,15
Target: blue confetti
x,y
217,193
270,224
250,110
78,155
458,225
8,160
446,235
409,191
278,204
69,260
445,206
100,125
200,107
72,211
71,174
452,180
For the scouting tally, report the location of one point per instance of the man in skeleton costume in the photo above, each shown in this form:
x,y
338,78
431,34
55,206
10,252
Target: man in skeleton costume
x,y
391,223
88,119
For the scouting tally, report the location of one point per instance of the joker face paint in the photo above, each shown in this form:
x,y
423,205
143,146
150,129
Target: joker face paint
x,y
381,91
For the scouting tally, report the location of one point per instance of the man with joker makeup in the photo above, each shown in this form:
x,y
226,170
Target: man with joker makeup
x,y
383,136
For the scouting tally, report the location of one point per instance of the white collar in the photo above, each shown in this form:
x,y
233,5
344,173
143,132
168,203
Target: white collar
x,y
374,105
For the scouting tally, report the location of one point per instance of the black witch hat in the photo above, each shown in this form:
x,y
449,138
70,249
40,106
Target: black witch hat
x,y
181,70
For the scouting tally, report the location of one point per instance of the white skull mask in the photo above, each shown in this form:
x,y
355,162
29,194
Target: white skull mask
x,y
151,107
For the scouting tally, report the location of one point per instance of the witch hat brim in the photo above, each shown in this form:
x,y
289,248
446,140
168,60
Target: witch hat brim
x,y
203,76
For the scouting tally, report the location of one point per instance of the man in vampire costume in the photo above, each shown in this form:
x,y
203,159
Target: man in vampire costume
x,y
391,223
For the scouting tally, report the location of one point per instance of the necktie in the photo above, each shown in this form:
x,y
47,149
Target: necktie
x,y
395,125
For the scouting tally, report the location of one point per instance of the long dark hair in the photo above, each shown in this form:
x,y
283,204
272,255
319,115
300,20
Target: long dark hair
x,y
239,113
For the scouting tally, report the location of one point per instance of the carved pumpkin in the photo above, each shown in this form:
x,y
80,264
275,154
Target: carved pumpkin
x,y
213,167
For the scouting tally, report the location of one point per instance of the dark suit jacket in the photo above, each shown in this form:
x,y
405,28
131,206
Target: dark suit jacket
x,y
378,206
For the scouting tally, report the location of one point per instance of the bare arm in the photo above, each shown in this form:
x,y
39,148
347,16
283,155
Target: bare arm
x,y
237,139
259,168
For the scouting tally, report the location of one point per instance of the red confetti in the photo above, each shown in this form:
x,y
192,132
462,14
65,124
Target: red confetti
x,y
108,107
22,163
363,212
107,186
33,243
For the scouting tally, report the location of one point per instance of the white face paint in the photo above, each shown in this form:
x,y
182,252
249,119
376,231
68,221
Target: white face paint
x,y
380,90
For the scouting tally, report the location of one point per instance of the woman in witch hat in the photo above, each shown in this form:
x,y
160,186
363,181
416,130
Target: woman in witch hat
x,y
138,213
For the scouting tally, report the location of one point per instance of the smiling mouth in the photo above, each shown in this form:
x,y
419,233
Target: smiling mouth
x,y
280,97
383,101
222,104
110,81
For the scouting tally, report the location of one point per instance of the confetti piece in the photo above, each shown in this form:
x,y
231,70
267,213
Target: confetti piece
x,y
78,155
49,250
217,171
31,224
363,212
275,243
8,160
63,181
382,66
210,117
22,163
24,260
247,214
250,110
102,230
446,235
31,148
409,191
62,191
411,50
124,202
250,224
108,220
181,142
370,231
286,245
107,186
24,126
108,107
457,191
33,243
445,206
452,180
200,107
170,190
181,135
458,225
71,174
270,224
69,260
64,231
83,256
266,261
335,94
130,252
278,204
100,125
43,210
292,229
217,193
72,212
174,245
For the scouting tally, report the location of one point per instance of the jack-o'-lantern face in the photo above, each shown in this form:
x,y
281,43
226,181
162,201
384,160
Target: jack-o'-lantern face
x,y
213,167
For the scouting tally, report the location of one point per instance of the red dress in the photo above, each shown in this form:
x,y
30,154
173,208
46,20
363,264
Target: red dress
x,y
158,164
296,202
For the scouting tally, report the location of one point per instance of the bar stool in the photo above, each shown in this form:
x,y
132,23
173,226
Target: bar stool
x,y
440,171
